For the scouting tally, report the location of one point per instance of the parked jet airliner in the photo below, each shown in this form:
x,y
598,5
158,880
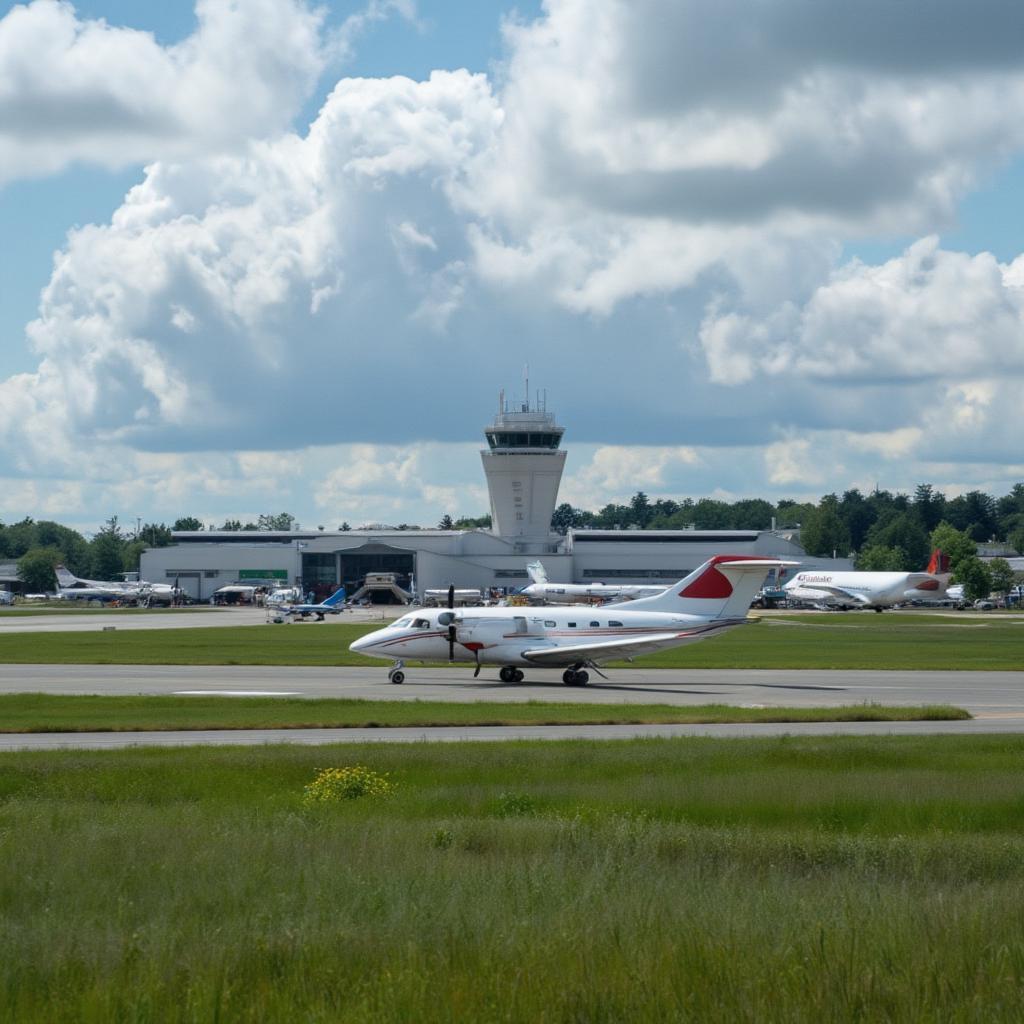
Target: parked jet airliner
x,y
711,600
876,590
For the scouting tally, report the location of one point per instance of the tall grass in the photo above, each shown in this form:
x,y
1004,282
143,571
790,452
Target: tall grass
x,y
793,879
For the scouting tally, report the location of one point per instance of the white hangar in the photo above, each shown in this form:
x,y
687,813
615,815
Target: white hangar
x,y
523,464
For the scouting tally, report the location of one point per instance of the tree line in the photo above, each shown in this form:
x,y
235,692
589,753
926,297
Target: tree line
x,y
39,547
869,527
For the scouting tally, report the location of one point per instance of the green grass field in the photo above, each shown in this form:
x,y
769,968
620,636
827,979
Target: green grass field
x,y
858,641
710,880
36,712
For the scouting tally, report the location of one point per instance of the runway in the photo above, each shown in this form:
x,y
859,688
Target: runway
x,y
996,699
981,693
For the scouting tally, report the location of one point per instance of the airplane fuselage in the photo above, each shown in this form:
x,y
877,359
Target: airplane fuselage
x,y
587,593
496,636
859,589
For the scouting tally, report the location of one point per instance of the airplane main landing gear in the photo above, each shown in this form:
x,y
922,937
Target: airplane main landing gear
x,y
396,675
511,674
575,677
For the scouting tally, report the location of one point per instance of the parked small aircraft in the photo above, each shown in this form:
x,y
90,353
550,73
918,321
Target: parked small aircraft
x,y
541,590
334,605
876,590
72,587
711,600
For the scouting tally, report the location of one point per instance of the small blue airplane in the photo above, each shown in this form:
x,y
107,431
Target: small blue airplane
x,y
334,605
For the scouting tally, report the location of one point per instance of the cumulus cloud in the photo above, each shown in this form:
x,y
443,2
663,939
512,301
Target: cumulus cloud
x,y
644,143
220,282
74,89
652,196
926,314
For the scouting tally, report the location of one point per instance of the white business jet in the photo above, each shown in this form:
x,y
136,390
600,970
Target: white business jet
x,y
711,600
581,593
876,590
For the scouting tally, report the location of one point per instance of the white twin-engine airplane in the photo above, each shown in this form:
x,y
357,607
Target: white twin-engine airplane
x,y
581,593
711,600
876,590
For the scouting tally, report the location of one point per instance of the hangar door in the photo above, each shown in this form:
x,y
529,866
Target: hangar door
x,y
357,562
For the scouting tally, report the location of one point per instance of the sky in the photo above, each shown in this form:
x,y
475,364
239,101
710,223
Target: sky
x,y
282,256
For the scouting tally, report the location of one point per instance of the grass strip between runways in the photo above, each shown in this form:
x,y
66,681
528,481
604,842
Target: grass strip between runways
x,y
858,641
37,712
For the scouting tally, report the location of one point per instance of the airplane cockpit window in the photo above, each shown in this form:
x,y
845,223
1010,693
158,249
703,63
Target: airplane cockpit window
x,y
613,622
421,624
402,623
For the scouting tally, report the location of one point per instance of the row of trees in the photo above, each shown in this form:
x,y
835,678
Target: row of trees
x,y
854,523
38,547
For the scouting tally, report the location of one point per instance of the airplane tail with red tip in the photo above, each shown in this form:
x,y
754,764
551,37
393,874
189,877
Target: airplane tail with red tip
x,y
939,563
722,588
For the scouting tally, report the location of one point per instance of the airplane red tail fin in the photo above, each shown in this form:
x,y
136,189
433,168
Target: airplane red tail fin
x,y
939,564
722,587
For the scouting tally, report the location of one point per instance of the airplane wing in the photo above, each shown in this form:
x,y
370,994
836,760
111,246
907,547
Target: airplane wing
x,y
628,647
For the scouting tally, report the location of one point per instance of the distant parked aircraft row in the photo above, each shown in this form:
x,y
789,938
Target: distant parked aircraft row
x,y
71,587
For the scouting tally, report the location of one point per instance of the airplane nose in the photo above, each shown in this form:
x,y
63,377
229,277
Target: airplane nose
x,y
361,644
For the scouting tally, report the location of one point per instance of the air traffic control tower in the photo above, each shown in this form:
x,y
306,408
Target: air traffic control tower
x,y
523,464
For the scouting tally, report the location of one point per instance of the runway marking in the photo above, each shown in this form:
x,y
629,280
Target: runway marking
x,y
237,693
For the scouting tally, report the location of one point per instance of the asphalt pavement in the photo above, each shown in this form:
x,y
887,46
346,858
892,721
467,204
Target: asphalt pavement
x,y
198,617
995,698
981,693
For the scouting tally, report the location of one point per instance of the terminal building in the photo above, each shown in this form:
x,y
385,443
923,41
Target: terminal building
x,y
523,464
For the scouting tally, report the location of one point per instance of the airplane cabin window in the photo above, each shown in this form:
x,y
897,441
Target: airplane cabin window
x,y
550,623
612,622
595,623
572,625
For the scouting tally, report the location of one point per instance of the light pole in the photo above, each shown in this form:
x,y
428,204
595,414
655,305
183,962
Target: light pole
x,y
299,581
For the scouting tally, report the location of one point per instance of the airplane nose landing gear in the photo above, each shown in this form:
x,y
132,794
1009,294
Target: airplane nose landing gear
x,y
395,674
